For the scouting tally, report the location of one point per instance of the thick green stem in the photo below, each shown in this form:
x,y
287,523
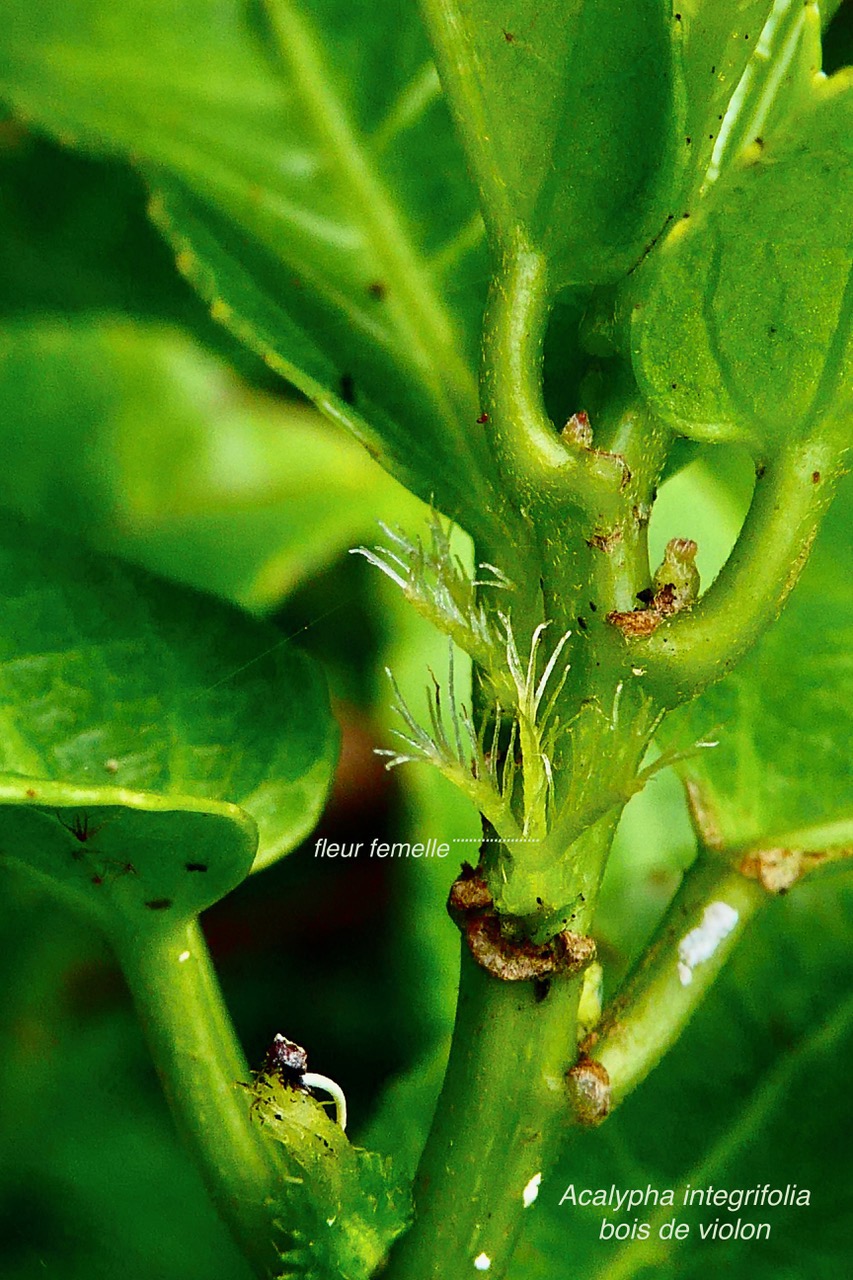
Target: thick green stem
x,y
708,915
537,466
697,647
500,1119
201,1066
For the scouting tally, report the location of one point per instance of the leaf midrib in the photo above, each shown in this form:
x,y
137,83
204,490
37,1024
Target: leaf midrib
x,y
419,315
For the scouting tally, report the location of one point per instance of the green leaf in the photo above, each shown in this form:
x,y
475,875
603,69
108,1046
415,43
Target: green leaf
x,y
565,113
326,216
748,1097
742,63
153,741
780,776
158,453
740,319
75,237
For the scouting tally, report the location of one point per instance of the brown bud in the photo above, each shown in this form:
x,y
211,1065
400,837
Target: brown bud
x,y
589,1091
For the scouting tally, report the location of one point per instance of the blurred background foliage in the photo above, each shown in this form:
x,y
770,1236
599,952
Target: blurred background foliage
x,y
129,418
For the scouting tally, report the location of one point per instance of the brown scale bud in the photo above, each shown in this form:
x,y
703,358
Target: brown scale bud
x,y
589,1091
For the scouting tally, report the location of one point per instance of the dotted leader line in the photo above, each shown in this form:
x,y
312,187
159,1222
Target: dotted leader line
x,y
495,840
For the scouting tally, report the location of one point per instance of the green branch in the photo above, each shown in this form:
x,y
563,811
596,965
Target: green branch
x,y
699,646
698,933
536,464
201,1067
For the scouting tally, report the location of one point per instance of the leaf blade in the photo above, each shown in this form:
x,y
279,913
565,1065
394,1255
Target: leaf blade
x,y
740,321
158,453
563,164
121,775
279,160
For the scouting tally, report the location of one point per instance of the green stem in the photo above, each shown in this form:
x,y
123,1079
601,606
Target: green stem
x,y
500,1119
201,1066
697,647
656,1002
538,467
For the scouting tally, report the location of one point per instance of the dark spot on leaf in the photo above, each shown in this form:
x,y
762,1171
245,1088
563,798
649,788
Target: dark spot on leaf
x,y
815,477
97,880
195,866
377,290
483,418
509,37
772,330
159,904
347,388
31,795
759,470
593,606
759,142
713,69
80,828
673,385
688,141
678,17
685,215
582,623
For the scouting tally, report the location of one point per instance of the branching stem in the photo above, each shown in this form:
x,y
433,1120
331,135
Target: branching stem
x,y
695,648
536,464
698,933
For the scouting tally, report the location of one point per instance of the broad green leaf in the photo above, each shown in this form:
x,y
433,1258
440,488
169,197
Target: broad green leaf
x,y
748,1097
153,743
740,319
134,438
742,63
74,236
565,112
309,172
781,775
